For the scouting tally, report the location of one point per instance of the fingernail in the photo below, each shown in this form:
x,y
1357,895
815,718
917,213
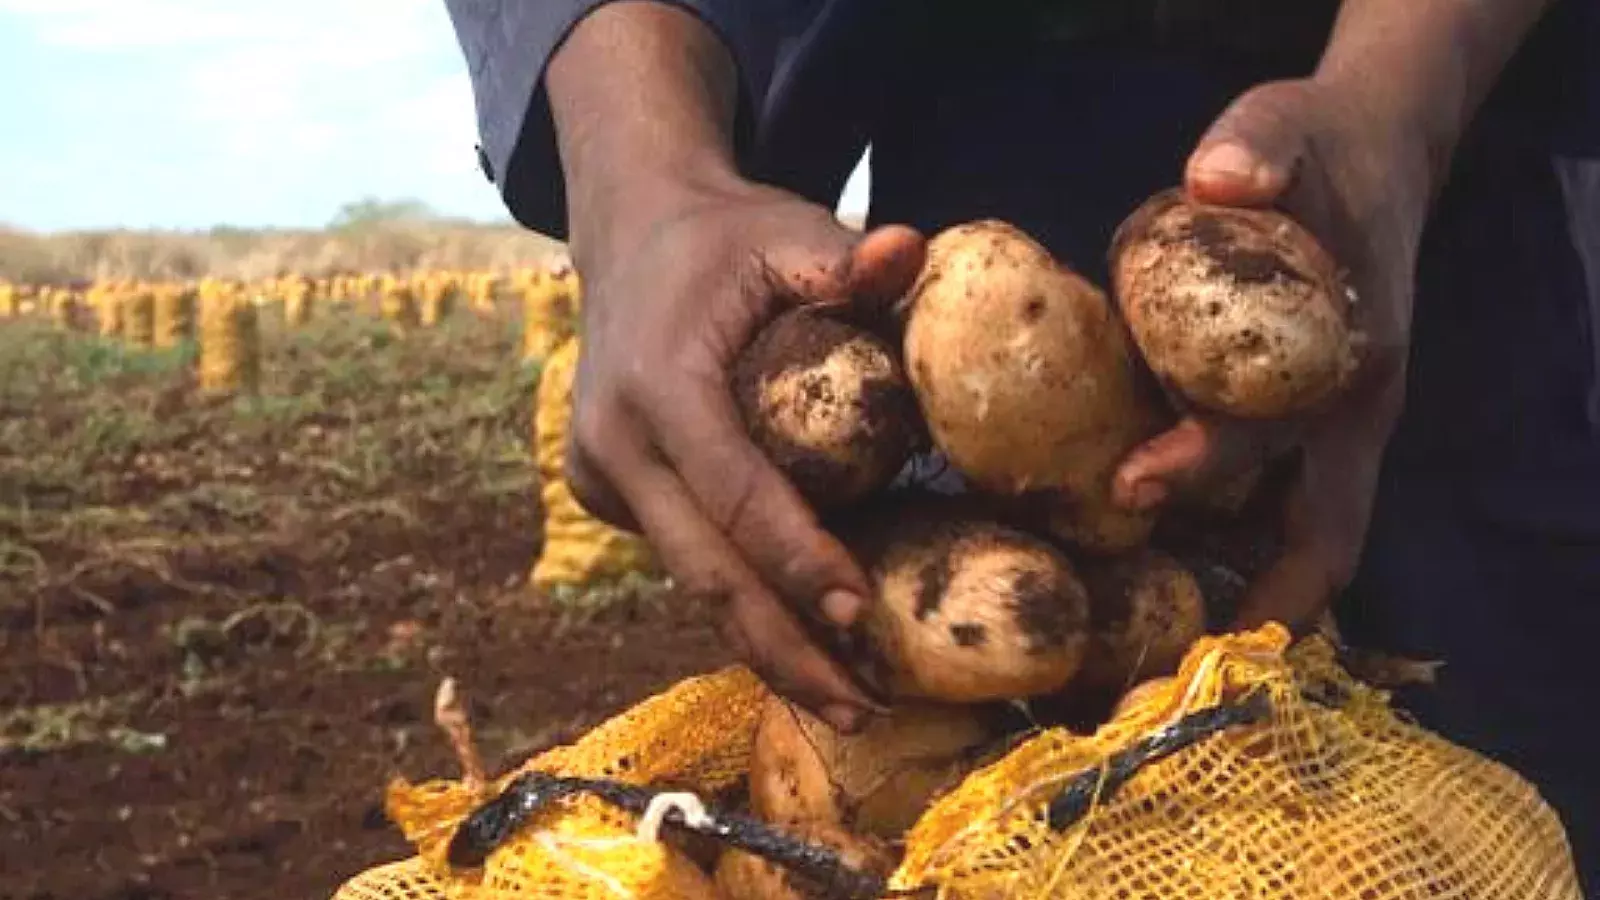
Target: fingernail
x,y
842,608
1147,495
1228,160
844,719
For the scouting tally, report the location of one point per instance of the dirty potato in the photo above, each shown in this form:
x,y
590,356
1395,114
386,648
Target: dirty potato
x,y
1146,610
829,404
1027,379
965,609
876,782
1240,311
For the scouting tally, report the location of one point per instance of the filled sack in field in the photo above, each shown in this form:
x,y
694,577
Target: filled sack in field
x,y
549,313
1256,772
578,551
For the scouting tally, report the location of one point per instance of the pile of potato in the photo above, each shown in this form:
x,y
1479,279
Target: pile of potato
x,y
1033,385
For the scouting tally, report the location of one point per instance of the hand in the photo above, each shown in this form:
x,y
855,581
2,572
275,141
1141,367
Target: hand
x,y
672,297
1361,184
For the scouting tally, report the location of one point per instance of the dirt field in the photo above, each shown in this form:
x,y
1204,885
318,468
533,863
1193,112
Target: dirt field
x,y
222,622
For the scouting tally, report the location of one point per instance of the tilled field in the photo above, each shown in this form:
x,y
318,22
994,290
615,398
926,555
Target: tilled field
x,y
223,621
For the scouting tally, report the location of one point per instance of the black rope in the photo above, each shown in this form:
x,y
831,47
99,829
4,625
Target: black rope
x,y
496,821
1103,782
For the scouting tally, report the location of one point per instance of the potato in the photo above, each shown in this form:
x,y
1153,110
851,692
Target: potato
x,y
877,782
1141,693
1146,611
1028,381
1240,311
965,609
829,404
742,876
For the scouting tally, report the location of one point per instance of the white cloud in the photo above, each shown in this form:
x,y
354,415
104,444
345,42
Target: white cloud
x,y
269,113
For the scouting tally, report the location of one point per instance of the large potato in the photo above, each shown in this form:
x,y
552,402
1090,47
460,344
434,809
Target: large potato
x,y
1146,612
965,609
877,782
829,404
1240,311
1027,379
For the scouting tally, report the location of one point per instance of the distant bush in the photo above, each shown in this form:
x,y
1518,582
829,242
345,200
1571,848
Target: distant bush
x,y
365,235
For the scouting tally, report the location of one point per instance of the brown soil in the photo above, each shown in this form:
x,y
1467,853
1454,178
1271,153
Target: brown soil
x,y
223,623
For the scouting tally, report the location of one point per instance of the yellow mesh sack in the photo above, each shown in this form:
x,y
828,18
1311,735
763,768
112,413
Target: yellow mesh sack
x,y
299,305
695,736
398,306
174,316
109,319
437,302
549,314
139,319
1256,773
578,549
230,343
1329,795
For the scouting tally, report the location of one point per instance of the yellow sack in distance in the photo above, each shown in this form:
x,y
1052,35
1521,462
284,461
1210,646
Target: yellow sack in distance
x,y
549,313
578,550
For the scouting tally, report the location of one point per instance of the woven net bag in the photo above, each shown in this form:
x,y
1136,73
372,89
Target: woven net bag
x,y
1256,773
695,736
579,551
549,314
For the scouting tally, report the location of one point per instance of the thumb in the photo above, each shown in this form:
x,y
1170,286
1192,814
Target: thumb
x,y
886,262
1250,154
839,267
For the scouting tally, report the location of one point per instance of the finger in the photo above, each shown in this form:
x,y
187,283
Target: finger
x,y
705,565
1250,155
836,267
748,499
595,423
594,492
1198,451
886,262
1294,591
1326,514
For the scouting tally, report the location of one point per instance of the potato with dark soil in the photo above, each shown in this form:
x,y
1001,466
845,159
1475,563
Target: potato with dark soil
x,y
829,404
1027,379
1240,311
965,609
1146,612
742,876
877,782
1140,694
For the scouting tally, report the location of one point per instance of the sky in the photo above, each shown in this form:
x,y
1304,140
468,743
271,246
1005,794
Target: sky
x,y
194,113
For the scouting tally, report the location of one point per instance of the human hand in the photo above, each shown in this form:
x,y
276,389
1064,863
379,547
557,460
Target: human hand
x,y
672,296
1361,184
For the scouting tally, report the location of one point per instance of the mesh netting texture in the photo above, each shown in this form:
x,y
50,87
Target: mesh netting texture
x,y
578,549
1258,772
